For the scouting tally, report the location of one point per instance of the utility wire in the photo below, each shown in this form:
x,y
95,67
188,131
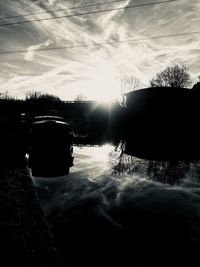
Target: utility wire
x,y
103,43
88,13
64,9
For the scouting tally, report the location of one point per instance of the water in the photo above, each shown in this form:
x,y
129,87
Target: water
x,y
117,207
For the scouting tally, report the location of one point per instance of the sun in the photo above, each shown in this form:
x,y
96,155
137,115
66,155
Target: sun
x,y
106,88
100,84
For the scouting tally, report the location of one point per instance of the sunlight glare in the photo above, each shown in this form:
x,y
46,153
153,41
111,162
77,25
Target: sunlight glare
x,y
107,86
102,153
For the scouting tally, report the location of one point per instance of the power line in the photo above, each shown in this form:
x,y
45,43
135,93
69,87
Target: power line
x,y
64,9
88,13
103,43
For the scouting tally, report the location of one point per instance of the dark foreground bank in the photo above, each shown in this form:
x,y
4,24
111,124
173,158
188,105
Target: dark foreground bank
x,y
25,239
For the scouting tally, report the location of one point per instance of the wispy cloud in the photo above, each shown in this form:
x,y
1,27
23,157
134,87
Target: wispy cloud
x,y
92,70
32,49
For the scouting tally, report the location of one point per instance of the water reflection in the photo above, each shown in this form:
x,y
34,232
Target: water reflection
x,y
116,206
167,172
123,164
170,172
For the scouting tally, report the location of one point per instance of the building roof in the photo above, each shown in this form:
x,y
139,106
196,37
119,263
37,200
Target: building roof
x,y
154,89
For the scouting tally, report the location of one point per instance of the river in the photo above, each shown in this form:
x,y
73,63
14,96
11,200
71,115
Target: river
x,y
117,207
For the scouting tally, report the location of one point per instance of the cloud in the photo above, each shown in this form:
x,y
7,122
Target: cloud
x,y
85,65
29,56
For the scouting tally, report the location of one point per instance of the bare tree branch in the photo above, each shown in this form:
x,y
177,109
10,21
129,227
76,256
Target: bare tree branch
x,y
175,76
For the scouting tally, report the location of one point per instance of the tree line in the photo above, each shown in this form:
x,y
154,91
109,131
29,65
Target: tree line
x,y
176,76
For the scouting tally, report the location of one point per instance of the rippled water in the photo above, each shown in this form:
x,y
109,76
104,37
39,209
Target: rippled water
x,y
115,206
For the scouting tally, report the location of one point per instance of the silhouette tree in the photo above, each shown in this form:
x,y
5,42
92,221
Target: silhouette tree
x,y
41,96
175,76
80,98
38,103
4,95
128,83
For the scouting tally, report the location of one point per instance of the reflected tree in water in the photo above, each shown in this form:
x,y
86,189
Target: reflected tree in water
x,y
123,163
195,170
168,172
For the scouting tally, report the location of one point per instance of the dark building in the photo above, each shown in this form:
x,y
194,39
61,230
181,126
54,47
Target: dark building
x,y
162,123
196,86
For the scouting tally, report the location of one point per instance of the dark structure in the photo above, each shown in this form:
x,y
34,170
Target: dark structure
x,y
162,123
196,86
50,147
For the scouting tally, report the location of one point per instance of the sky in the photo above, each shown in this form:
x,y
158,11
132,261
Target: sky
x,y
83,67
